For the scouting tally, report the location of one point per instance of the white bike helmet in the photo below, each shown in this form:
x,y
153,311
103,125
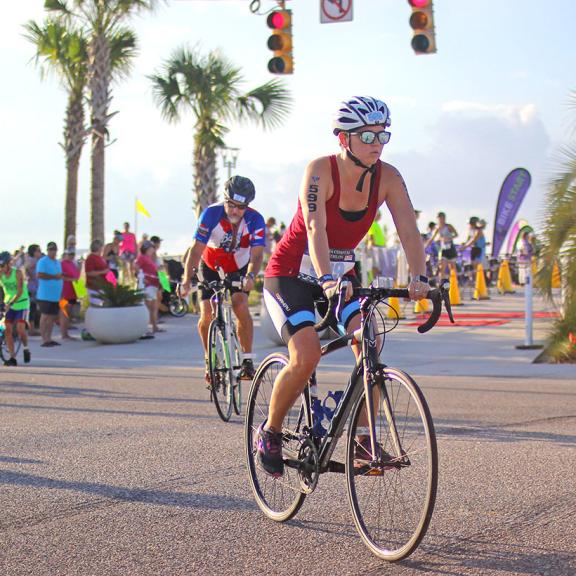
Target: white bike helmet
x,y
360,111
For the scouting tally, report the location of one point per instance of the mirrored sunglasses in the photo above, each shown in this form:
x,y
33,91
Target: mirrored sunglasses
x,y
368,136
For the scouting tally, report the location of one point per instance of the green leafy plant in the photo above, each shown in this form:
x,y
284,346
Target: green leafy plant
x,y
119,296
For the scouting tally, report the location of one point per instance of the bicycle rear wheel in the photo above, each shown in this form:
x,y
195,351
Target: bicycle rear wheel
x,y
219,373
392,504
279,498
178,306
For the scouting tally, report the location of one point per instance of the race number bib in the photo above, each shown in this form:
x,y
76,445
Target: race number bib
x,y
341,263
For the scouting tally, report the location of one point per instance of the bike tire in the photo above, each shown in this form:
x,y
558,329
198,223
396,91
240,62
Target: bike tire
x,y
177,306
279,498
221,382
392,508
236,356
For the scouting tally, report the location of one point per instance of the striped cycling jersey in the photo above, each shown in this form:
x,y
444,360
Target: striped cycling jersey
x,y
225,249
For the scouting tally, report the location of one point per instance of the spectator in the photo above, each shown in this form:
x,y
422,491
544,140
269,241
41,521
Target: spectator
x,y
128,254
476,240
376,242
70,273
96,269
17,303
147,272
70,243
49,272
32,256
271,235
112,253
156,242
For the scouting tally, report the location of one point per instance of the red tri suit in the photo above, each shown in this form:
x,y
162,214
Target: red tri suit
x,y
291,257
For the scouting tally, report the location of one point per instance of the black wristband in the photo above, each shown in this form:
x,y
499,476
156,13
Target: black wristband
x,y
250,275
326,278
421,278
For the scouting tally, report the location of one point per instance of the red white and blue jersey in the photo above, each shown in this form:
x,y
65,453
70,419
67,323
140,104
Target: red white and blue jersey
x,y
224,249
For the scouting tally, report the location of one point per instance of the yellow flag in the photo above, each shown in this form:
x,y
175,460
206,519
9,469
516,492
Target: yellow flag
x,y
140,208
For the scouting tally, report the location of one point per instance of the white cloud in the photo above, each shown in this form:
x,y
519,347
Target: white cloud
x,y
523,113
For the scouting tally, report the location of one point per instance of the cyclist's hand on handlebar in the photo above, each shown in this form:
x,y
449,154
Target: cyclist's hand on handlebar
x,y
332,288
184,288
418,288
247,284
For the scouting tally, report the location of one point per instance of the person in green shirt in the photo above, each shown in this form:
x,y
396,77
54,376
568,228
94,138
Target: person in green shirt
x,y
376,239
17,305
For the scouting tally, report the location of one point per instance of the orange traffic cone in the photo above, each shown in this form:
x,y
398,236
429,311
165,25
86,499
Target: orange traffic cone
x,y
454,292
421,306
556,276
394,310
480,292
504,282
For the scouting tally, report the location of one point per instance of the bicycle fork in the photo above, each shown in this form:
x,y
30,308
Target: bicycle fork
x,y
372,375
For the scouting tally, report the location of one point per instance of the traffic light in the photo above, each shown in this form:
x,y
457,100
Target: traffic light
x,y
280,21
422,23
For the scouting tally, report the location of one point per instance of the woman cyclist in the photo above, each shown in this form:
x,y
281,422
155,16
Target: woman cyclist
x,y
338,200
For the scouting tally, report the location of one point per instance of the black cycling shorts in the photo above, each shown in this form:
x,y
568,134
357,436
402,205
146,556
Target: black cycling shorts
x,y
290,304
210,275
449,253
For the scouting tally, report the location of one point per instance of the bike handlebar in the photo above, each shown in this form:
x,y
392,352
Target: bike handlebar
x,y
436,295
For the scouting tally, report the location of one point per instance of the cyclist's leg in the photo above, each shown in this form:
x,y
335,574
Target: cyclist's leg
x,y
245,324
304,355
290,304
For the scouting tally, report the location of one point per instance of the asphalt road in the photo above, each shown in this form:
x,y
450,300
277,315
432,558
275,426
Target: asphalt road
x,y
113,462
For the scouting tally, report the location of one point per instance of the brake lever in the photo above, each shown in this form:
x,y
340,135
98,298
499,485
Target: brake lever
x,y
445,291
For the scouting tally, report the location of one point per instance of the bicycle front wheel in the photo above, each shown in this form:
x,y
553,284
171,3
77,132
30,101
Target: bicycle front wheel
x,y
279,498
393,498
220,373
236,357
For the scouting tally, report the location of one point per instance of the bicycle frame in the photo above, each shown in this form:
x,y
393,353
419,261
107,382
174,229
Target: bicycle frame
x,y
222,310
367,365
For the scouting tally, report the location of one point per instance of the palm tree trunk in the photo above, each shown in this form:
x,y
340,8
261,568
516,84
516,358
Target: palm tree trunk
x,y
74,138
205,178
100,98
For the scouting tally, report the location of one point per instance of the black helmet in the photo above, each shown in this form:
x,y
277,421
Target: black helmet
x,y
239,189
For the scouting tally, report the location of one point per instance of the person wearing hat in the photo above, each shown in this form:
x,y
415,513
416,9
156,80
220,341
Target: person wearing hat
x,y
17,304
96,269
147,274
231,237
476,240
70,273
49,272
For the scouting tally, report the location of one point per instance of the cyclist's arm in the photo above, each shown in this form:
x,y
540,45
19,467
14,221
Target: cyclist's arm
x,y
400,206
472,240
192,260
313,196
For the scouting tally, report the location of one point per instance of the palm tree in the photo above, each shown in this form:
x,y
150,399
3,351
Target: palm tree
x,y
559,248
66,52
102,19
209,86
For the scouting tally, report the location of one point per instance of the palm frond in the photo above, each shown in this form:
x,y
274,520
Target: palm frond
x,y
268,104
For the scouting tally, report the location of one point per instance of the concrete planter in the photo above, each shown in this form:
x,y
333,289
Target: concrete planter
x,y
117,325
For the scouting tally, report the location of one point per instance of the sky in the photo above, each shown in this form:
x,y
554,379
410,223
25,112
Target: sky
x,y
494,97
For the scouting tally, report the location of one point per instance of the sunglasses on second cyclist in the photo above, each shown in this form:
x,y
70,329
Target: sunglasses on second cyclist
x,y
241,207
369,137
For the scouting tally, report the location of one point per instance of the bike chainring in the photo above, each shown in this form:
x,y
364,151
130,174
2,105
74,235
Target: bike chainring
x,y
309,469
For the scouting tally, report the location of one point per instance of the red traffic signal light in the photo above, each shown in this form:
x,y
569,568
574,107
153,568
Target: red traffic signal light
x,y
422,23
280,42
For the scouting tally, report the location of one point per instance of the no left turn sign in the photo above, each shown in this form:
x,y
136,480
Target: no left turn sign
x,y
332,11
